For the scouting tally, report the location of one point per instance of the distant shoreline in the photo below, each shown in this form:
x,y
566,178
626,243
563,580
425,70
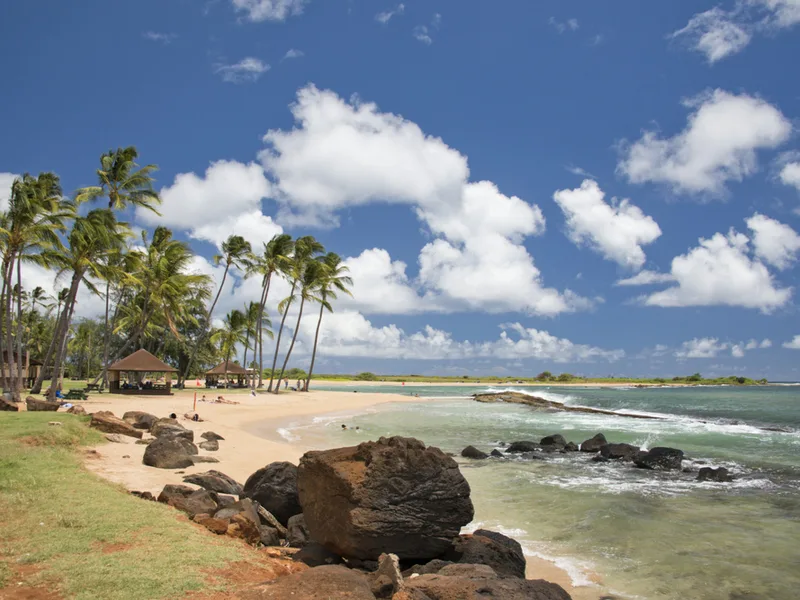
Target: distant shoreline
x,y
589,384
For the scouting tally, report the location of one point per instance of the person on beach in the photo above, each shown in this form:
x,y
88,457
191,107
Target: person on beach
x,y
344,427
286,383
299,385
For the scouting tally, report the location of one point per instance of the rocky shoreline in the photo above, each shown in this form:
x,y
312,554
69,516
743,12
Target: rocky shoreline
x,y
377,520
537,402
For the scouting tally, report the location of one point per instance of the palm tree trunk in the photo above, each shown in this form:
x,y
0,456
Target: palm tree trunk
x,y
18,390
106,336
260,340
291,346
316,338
206,325
11,387
61,332
5,289
278,341
37,386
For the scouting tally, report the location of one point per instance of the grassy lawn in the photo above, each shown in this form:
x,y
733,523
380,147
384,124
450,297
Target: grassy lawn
x,y
84,537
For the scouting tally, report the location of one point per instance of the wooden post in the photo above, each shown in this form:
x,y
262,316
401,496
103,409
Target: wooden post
x,y
195,402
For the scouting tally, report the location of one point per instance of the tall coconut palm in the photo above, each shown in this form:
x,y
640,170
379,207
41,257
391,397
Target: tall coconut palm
x,y
232,333
236,251
61,301
309,283
91,239
275,259
251,330
305,249
123,182
333,278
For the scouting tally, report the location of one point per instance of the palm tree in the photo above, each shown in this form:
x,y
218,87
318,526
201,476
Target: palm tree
x,y
310,280
233,332
251,329
276,258
305,249
123,182
61,301
332,278
235,252
91,239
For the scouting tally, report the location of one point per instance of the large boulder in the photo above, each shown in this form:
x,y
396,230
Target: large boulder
x,y
243,507
106,422
660,459
216,482
503,554
9,406
139,419
298,535
76,409
171,427
710,474
34,404
196,503
391,496
169,453
619,451
209,445
329,582
211,436
473,452
556,441
275,488
243,528
172,492
522,446
465,587
594,444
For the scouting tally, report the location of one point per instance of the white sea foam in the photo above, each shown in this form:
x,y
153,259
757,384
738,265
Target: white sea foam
x,y
288,435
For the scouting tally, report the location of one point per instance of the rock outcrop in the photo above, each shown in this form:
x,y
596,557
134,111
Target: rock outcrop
x,y
619,451
297,535
439,587
34,404
710,474
275,488
390,496
171,427
473,452
169,452
211,436
5,405
215,482
522,446
660,459
76,409
209,445
594,444
106,422
139,419
555,441
536,402
501,553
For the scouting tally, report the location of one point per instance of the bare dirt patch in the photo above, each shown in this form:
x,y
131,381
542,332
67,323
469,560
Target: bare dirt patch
x,y
240,576
19,588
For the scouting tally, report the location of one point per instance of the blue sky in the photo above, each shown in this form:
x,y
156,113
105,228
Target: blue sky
x,y
491,173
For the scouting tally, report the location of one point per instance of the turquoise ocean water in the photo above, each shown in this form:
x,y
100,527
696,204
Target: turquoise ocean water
x,y
655,536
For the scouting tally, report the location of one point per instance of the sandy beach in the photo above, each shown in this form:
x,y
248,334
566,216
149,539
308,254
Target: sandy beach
x,y
243,452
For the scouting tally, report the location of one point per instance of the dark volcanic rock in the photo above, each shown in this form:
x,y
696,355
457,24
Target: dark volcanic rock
x,y
316,555
298,535
269,536
571,447
34,404
169,453
594,444
504,540
172,491
330,582
619,451
275,488
171,427
211,436
209,445
107,423
9,406
522,446
218,526
711,474
437,587
536,402
244,507
243,528
503,554
532,456
433,566
390,496
660,459
216,482
553,440
204,459
201,501
139,419
473,452
496,453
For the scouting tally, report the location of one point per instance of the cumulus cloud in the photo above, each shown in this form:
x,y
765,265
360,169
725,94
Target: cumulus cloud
x,y
714,34
293,54
793,344
775,243
6,179
646,278
247,70
343,154
718,145
422,34
386,16
269,10
790,175
617,230
701,348
720,271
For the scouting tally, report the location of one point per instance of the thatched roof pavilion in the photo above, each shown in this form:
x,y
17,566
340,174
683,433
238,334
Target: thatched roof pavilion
x,y
140,362
230,368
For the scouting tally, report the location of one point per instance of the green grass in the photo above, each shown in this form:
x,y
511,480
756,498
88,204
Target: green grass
x,y
57,515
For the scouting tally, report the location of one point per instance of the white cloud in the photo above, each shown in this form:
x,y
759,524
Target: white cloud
x,y
293,54
783,13
714,34
6,179
246,70
348,333
737,351
756,345
164,38
348,154
775,243
617,230
718,145
561,27
720,272
422,33
647,278
701,348
386,16
87,304
790,174
226,200
269,10
793,344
